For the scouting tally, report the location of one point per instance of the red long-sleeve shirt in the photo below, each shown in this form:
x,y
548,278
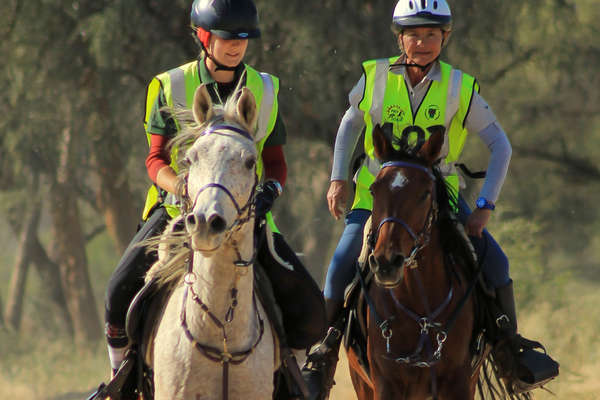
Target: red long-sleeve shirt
x,y
158,157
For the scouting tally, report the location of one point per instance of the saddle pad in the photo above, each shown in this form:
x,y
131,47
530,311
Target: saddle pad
x,y
297,294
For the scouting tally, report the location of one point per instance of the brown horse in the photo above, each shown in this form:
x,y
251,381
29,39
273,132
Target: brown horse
x,y
420,315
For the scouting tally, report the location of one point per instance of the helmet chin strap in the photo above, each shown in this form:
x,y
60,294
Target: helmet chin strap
x,y
421,67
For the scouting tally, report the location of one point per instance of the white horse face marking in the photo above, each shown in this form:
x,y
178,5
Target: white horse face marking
x,y
399,181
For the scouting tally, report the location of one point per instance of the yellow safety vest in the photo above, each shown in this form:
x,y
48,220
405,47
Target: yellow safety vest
x,y
386,99
179,86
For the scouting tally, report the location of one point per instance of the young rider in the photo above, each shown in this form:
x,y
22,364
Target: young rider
x,y
413,90
222,28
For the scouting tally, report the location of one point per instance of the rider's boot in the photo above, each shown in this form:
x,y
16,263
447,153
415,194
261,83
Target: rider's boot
x,y
319,369
118,344
527,368
120,378
507,320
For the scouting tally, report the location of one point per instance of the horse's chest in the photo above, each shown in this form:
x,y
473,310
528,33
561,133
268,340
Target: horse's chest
x,y
182,371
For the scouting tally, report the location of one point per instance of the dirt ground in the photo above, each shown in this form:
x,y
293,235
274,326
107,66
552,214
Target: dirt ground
x,y
343,389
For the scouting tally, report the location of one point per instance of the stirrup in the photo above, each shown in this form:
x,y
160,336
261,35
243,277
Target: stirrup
x,y
319,351
534,368
113,388
319,369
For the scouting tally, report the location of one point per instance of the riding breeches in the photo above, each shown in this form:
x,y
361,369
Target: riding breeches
x,y
494,261
341,269
128,277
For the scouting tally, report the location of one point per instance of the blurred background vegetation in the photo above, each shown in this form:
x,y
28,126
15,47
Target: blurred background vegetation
x,y
72,149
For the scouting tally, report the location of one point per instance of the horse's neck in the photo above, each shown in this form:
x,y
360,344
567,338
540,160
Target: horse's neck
x,y
216,277
431,272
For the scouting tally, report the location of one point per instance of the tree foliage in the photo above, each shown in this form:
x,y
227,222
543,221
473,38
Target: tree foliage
x,y
82,66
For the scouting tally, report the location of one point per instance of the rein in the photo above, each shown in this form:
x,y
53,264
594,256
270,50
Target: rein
x,y
244,214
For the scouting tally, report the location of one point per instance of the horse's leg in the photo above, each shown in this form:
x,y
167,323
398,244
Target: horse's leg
x,y
362,389
383,388
458,386
384,392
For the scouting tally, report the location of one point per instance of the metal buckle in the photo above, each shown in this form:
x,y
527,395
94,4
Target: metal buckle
x,y
501,318
334,332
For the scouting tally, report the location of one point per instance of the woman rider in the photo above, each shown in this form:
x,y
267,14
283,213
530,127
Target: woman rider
x,y
412,92
222,28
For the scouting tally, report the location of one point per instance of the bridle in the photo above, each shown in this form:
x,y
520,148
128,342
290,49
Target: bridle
x,y
244,215
426,354
420,240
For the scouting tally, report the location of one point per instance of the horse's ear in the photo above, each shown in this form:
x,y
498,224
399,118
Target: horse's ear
x,y
246,110
202,107
383,146
431,149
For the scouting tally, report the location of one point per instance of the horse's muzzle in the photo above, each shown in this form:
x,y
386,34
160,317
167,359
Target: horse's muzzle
x,y
196,224
388,274
206,233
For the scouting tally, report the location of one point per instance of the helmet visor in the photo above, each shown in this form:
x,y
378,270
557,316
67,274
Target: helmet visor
x,y
243,34
422,19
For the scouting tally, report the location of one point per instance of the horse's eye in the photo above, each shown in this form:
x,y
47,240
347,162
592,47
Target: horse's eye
x,y
250,162
426,195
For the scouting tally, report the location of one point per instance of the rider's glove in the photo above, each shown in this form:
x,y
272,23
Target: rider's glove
x,y
266,193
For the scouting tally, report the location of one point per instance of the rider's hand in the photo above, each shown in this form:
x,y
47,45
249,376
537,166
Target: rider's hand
x,y
477,221
336,198
266,193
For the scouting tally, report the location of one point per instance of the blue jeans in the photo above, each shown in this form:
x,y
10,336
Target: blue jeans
x,y
341,268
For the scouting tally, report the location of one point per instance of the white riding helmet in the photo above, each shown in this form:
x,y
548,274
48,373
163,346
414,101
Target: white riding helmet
x,y
411,13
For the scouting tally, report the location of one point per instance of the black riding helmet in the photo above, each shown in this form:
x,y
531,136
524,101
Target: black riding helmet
x,y
228,19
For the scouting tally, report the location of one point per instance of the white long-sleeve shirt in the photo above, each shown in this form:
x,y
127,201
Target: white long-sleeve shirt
x,y
480,120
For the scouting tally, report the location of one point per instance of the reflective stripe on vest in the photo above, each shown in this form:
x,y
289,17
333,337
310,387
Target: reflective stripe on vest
x,y
386,99
179,86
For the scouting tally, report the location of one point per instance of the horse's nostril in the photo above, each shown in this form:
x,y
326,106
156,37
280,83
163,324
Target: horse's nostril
x,y
373,262
190,220
217,224
397,260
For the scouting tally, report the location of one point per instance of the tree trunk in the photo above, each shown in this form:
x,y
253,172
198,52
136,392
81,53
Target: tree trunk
x,y
114,197
69,245
49,273
116,202
16,293
47,270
